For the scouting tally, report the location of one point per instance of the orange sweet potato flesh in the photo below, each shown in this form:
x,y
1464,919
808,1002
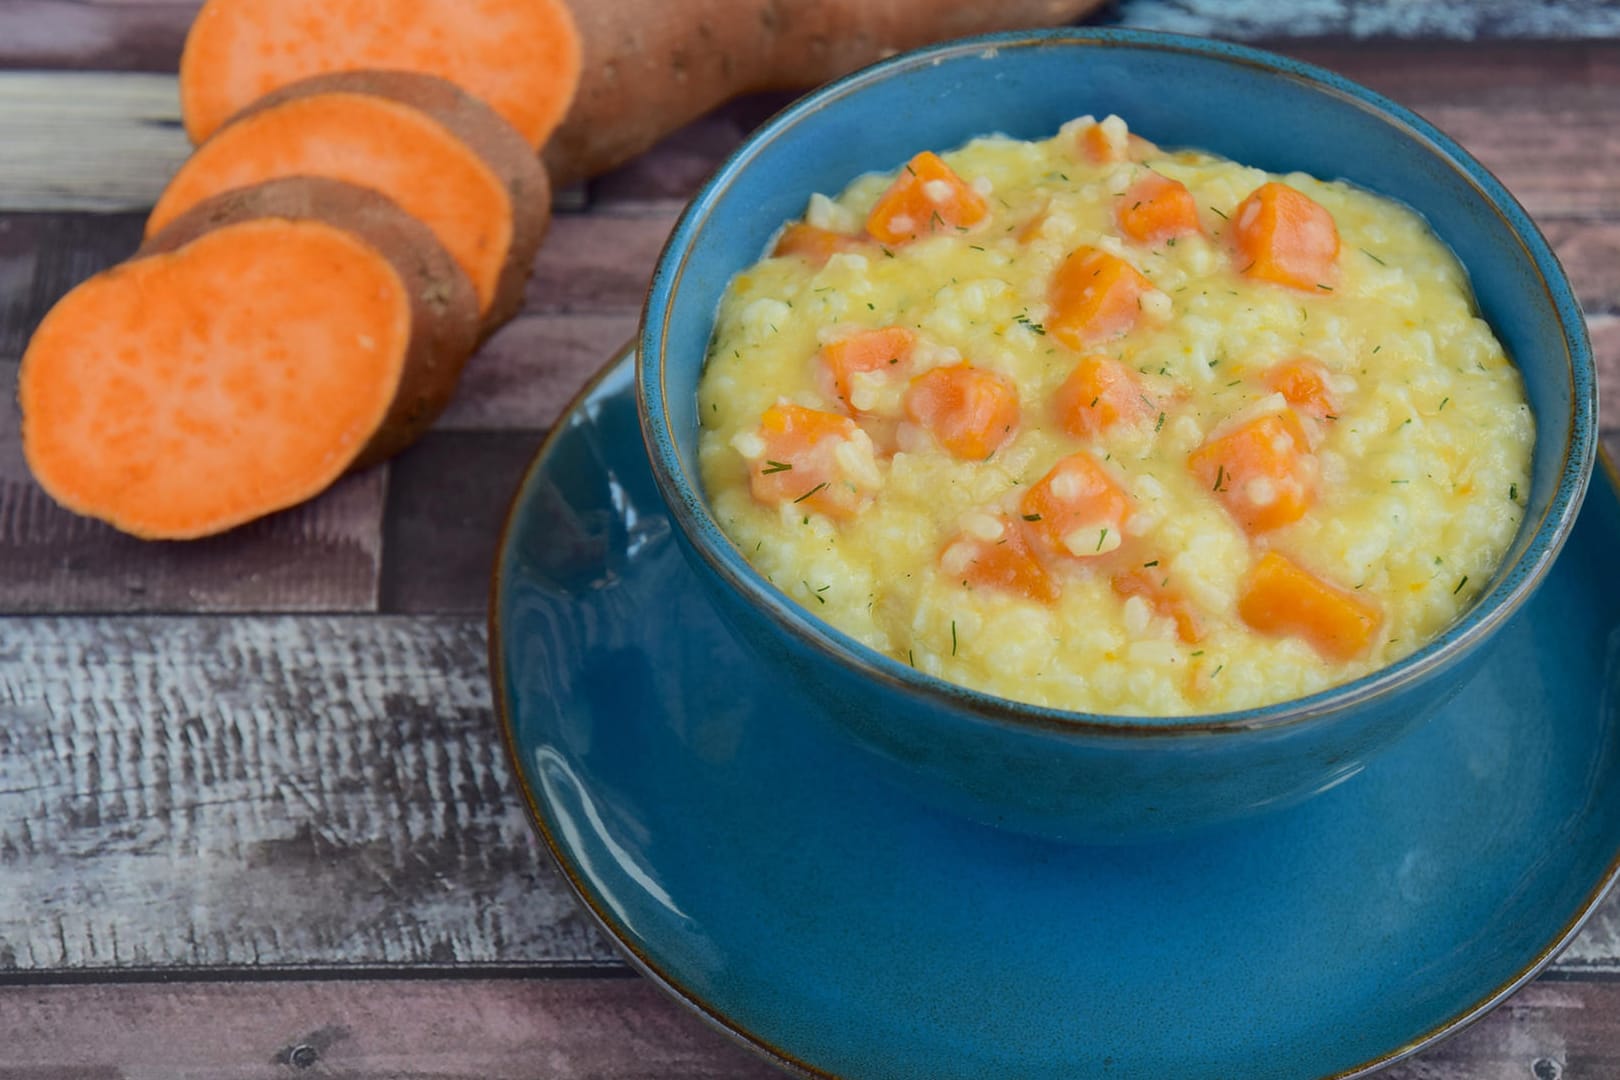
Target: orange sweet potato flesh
x,y
1284,236
1005,565
1099,394
1095,295
926,197
971,412
239,367
1262,471
446,158
521,57
444,309
878,350
1156,208
651,68
1281,597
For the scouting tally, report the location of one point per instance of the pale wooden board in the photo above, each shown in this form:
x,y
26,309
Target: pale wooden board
x,y
1544,128
280,791
582,1029
209,792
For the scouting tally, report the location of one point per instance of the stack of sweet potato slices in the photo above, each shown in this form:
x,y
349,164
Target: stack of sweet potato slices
x,y
362,209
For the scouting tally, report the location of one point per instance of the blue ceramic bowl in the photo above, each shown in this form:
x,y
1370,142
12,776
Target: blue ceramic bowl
x,y
1079,775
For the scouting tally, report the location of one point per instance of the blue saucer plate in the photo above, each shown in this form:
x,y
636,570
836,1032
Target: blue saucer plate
x,y
757,867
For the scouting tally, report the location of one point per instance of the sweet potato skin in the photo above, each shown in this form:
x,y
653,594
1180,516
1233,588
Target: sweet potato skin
x,y
651,68
482,129
444,309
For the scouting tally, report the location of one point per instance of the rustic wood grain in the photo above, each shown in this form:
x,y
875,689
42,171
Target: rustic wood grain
x,y
502,1029
533,366
271,792
252,792
1543,127
458,1030
447,499
84,141
146,35
324,555
42,256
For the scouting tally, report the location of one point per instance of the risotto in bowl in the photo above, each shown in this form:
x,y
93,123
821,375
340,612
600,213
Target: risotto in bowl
x,y
1115,432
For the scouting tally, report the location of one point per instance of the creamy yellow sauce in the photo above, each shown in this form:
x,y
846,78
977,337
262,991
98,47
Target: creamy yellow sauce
x,y
1421,470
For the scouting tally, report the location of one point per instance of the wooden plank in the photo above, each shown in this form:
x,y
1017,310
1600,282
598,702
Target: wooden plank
x,y
116,35
251,792
533,366
451,1030
146,35
324,555
42,256
87,141
448,496
276,792
601,1029
598,262
1544,127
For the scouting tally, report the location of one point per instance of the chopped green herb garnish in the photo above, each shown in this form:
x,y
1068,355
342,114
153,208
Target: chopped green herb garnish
x,y
1513,492
1198,652
1219,668
1442,404
775,466
1218,214
975,247
1324,288
1460,584
1155,562
1032,517
953,637
887,254
1376,348
1220,478
811,492
1101,537
910,659
1160,425
1373,257
814,592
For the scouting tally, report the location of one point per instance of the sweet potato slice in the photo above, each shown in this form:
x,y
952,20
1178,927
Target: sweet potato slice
x,y
521,57
257,349
1282,598
442,155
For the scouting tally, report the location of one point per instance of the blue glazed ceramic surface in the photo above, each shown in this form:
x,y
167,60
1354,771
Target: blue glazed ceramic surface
x,y
1044,770
754,864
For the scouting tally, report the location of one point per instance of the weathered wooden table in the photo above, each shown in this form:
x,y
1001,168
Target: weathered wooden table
x,y
254,814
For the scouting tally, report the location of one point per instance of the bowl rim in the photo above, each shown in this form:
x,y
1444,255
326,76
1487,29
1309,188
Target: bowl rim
x,y
1512,584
